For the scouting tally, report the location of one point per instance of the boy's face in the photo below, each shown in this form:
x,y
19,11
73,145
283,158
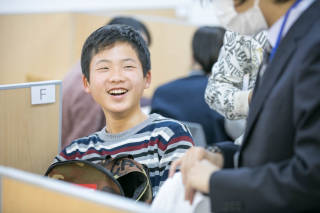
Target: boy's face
x,y
116,79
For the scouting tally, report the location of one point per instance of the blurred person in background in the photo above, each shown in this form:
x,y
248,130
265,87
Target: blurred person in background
x,y
182,99
233,77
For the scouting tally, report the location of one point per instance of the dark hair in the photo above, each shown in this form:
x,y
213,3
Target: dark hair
x,y
136,24
206,45
107,36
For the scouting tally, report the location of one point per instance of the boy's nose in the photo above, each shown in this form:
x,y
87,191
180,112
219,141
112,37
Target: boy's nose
x,y
116,76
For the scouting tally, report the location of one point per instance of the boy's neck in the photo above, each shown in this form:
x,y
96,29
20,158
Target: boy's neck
x,y
119,123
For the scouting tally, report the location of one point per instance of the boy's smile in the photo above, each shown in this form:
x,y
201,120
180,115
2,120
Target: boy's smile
x,y
117,92
116,79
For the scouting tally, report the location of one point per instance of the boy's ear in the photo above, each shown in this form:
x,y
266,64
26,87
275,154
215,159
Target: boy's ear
x,y
85,84
148,80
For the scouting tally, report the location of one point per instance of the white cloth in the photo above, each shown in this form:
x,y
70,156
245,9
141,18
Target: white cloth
x,y
170,198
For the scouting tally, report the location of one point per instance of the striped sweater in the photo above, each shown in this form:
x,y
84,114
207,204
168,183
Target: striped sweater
x,y
156,142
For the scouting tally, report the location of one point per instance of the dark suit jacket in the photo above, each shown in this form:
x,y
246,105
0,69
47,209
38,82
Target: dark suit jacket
x,y
279,161
183,99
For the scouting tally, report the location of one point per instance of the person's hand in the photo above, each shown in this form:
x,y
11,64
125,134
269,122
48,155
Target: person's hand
x,y
198,178
192,156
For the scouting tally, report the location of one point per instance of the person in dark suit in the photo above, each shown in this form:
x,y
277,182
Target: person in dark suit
x,y
278,164
183,99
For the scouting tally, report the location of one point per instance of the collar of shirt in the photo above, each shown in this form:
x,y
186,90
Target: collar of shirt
x,y
294,15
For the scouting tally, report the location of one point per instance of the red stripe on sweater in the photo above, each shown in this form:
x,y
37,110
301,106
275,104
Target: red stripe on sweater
x,y
161,146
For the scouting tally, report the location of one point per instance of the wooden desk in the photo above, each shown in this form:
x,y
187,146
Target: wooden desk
x,y
26,192
29,134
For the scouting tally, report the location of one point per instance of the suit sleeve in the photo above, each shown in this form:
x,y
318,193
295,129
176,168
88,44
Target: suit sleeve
x,y
291,185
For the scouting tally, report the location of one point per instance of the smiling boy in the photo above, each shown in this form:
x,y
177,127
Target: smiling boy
x,y
115,64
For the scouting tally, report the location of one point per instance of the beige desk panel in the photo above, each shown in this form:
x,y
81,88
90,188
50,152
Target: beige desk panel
x,y
23,197
38,43
29,134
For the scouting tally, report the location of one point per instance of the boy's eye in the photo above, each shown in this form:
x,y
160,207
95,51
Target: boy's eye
x,y
103,68
129,67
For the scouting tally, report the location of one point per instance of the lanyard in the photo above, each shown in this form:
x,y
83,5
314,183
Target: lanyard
x,y
274,49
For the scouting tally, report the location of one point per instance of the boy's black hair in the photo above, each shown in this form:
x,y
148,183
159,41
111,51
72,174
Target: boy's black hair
x,y
136,24
107,36
206,45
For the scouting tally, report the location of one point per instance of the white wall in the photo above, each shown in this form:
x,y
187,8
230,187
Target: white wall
x,y
44,6
189,10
